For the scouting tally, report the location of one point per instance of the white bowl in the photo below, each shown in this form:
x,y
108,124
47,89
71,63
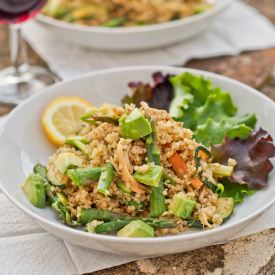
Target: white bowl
x,y
133,38
23,143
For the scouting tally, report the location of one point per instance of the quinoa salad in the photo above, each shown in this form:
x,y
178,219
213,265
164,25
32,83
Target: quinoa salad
x,y
136,171
116,13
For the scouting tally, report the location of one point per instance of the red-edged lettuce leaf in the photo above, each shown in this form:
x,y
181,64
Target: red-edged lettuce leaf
x,y
158,95
252,156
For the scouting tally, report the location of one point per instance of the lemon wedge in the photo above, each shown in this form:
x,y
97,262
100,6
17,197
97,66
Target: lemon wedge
x,y
61,118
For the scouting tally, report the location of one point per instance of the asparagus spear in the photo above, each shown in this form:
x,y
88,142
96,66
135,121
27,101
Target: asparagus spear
x,y
157,199
112,226
105,179
115,221
79,144
87,215
116,225
83,176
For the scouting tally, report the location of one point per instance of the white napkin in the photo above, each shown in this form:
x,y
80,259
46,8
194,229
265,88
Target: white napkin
x,y
238,29
25,248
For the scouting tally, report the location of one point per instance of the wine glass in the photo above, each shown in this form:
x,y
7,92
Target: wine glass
x,y
21,80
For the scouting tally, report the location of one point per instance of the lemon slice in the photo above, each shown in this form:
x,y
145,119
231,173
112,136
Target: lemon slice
x,y
61,118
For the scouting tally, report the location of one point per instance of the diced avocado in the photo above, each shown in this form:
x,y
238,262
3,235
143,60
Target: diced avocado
x,y
67,160
83,176
152,177
136,229
181,206
135,125
225,207
34,190
220,170
80,145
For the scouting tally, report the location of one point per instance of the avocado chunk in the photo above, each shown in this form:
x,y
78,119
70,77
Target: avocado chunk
x,y
220,170
136,229
135,125
225,207
34,190
182,207
67,160
152,177
83,176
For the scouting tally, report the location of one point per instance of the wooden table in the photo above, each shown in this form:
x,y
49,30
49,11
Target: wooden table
x,y
254,254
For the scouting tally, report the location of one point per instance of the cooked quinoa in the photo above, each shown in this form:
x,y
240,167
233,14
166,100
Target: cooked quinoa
x,y
114,13
103,141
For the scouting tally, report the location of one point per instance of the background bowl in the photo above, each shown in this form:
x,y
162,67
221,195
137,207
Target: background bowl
x,y
23,143
133,38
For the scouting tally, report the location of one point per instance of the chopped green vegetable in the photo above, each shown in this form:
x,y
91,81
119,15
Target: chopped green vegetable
x,y
157,199
87,215
105,179
65,161
34,189
181,206
136,229
115,22
121,185
135,125
80,145
220,170
152,177
195,224
197,157
225,207
139,206
84,176
41,170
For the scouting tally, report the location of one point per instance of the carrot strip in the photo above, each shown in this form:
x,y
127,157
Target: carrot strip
x,y
178,164
196,183
203,155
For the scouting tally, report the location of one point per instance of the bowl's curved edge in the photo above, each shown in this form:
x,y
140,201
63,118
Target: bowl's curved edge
x,y
114,239
137,29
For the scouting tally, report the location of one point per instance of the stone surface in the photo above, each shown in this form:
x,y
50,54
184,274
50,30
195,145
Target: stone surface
x,y
254,254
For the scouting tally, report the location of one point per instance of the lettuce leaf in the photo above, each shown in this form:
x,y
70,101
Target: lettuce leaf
x,y
158,95
207,110
236,191
252,156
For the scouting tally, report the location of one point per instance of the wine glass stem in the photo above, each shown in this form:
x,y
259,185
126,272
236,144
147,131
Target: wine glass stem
x,y
18,51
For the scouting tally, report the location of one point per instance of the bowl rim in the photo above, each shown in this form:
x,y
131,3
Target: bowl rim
x,y
136,29
115,239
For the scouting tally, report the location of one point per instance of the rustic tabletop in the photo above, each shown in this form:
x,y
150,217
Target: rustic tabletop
x,y
254,254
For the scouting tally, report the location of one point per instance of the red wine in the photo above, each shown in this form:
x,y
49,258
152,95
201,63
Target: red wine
x,y
16,11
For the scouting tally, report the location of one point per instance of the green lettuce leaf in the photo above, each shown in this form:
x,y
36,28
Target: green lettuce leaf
x,y
207,110
213,131
236,191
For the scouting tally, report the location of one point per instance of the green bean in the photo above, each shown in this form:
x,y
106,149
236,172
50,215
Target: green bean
x,y
84,176
157,199
105,179
87,215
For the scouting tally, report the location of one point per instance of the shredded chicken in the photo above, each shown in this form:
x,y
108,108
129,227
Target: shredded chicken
x,y
123,160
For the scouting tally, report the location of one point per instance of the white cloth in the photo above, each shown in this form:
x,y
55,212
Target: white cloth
x,y
238,29
25,248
